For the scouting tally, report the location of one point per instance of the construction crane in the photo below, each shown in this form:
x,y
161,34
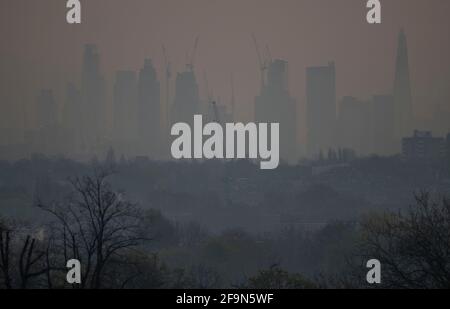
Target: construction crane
x,y
269,54
191,60
216,112
168,76
233,98
209,93
261,61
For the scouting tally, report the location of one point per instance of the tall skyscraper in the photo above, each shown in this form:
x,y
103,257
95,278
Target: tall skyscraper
x,y
275,105
187,101
321,108
149,112
403,110
125,131
92,88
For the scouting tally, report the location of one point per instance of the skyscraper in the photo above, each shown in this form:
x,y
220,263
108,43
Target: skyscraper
x,y
125,127
402,91
187,101
92,88
321,108
275,105
149,112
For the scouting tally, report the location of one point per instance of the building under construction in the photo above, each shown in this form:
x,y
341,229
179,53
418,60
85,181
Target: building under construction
x,y
187,101
275,105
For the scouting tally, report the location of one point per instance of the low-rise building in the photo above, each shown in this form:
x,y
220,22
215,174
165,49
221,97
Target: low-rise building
x,y
423,145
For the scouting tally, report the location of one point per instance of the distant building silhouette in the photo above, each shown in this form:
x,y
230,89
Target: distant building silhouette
x,y
382,125
187,102
321,108
110,159
275,105
50,137
125,127
423,146
215,111
92,89
353,125
72,108
402,90
149,112
72,117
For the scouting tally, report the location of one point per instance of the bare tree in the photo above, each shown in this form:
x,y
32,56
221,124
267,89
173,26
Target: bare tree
x,y
277,278
31,262
413,248
21,260
94,224
5,244
205,277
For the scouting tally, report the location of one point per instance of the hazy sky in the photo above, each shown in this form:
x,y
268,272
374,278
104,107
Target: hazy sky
x,y
40,50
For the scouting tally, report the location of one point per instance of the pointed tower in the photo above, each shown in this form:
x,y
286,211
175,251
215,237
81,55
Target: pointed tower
x,y
402,90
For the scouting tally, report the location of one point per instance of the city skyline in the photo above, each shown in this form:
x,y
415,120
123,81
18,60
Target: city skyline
x,y
24,108
224,144
140,118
